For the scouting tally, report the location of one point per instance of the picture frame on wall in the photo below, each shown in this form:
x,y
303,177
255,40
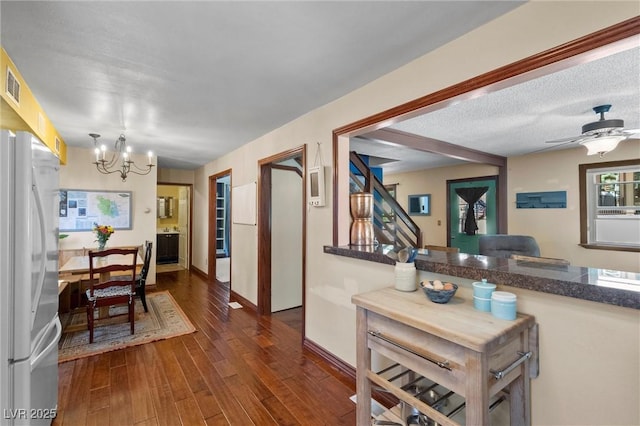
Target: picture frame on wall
x,y
419,205
81,209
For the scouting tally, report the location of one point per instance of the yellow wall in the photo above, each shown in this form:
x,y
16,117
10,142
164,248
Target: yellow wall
x,y
580,340
28,115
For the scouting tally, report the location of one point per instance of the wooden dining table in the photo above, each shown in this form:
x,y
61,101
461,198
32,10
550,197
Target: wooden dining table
x,y
79,265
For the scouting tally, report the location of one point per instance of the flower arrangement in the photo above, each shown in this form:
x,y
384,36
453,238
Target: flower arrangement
x,y
103,232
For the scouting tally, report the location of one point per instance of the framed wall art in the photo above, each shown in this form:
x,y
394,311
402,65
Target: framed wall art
x,y
80,209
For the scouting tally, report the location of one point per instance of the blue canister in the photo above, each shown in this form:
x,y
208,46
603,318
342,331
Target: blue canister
x,y
482,304
503,305
483,289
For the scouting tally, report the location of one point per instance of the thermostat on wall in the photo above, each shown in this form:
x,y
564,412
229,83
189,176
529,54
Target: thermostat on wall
x,y
315,186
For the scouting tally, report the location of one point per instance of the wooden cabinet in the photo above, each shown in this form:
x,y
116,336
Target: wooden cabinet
x,y
469,353
167,248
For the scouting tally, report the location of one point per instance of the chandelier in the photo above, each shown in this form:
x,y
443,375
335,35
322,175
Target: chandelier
x,y
120,160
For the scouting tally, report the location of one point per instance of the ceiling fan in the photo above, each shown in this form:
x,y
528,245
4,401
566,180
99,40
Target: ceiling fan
x,y
602,136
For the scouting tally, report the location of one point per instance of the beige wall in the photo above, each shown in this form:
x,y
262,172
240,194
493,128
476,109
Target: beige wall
x,y
566,324
557,231
80,173
434,182
583,346
176,176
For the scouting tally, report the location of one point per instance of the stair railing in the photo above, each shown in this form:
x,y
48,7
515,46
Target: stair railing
x,y
392,224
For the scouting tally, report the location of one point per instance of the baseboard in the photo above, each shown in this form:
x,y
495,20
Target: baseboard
x,y
199,273
384,398
330,358
235,297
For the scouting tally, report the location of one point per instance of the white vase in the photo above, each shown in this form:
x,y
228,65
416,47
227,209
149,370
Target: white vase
x,y
406,276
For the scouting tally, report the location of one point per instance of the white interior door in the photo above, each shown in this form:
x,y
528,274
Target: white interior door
x,y
286,240
183,225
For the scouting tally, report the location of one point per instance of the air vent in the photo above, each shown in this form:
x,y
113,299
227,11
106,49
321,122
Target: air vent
x,y
57,145
13,86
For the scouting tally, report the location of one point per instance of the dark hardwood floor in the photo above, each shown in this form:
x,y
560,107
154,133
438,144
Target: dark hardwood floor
x,y
235,369
291,317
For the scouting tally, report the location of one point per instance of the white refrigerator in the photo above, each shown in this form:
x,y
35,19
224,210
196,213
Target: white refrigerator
x,y
29,325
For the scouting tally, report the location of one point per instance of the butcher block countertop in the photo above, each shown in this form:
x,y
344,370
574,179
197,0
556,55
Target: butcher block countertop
x,y
456,321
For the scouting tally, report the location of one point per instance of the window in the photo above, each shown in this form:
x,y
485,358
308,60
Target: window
x,y
610,205
392,189
389,216
480,212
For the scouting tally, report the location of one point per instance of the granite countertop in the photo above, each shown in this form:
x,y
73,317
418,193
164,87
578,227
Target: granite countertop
x,y
597,285
161,232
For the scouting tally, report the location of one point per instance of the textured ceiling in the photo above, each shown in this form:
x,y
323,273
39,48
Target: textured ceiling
x,y
195,80
520,119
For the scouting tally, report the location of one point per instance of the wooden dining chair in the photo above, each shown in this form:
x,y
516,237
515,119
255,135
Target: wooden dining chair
x,y
141,278
104,290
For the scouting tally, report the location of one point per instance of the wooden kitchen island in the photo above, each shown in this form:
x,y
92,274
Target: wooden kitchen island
x,y
471,353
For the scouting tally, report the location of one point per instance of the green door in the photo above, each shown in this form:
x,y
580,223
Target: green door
x,y
485,213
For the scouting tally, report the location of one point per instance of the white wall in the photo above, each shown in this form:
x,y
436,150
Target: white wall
x,y
286,240
332,280
80,173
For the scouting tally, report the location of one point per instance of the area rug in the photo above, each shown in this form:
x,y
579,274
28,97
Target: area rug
x,y
164,320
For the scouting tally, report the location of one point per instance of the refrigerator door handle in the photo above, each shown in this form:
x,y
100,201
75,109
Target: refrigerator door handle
x,y
52,344
43,236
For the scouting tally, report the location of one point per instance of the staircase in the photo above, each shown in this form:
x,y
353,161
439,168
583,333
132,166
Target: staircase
x,y
392,225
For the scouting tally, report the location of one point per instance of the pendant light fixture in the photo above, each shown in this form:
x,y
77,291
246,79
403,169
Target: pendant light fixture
x,y
119,161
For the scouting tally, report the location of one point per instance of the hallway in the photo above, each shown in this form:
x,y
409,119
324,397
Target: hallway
x,y
235,369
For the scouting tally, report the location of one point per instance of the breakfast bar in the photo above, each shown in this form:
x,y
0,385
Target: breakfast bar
x,y
606,286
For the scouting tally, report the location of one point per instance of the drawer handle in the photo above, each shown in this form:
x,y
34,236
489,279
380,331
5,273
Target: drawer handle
x,y
500,374
442,364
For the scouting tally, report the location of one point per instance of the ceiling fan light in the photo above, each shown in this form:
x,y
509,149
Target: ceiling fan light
x,y
603,126
601,145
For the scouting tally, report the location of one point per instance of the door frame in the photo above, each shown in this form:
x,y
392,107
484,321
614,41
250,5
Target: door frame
x,y
499,202
212,251
264,227
190,245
